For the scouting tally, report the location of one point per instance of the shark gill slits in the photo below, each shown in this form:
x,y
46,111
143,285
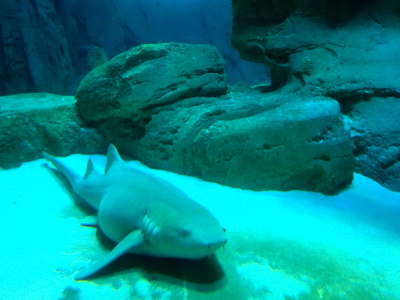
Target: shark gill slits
x,y
146,221
151,227
156,230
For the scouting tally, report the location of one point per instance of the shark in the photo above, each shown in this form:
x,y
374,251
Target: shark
x,y
142,213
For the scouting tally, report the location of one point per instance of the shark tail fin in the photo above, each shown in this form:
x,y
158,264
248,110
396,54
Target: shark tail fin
x,y
113,158
71,175
90,169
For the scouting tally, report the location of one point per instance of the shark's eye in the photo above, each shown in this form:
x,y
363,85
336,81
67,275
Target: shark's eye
x,y
184,232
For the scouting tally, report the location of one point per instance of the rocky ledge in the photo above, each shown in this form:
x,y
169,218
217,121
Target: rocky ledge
x,y
344,50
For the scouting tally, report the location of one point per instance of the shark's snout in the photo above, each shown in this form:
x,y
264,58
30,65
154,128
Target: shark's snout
x,y
215,246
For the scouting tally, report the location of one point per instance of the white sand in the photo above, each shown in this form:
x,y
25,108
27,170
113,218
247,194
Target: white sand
x,y
355,234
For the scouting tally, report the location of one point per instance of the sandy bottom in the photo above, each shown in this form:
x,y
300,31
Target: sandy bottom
x,y
281,245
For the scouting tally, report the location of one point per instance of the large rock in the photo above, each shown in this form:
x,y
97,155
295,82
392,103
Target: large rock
x,y
150,103
32,123
148,76
298,145
346,50
376,134
158,104
256,142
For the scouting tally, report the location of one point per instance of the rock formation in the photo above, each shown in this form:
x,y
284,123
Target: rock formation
x,y
344,50
375,126
32,123
148,76
331,108
165,105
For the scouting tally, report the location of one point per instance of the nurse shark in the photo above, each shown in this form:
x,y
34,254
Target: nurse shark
x,y
142,213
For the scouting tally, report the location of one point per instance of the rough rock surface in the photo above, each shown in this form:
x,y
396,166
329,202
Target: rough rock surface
x,y
375,130
346,50
32,123
256,142
148,76
296,145
157,103
339,49
96,57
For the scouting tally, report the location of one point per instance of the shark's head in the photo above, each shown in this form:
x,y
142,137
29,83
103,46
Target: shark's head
x,y
191,236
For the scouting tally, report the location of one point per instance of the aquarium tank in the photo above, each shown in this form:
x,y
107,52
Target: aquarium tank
x,y
200,149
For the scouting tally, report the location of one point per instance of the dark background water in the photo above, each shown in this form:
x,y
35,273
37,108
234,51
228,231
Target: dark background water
x,y
44,44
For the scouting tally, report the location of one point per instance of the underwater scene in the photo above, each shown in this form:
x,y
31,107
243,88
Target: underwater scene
x,y
200,149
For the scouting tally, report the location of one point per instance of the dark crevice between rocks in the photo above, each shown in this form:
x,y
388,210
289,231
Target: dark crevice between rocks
x,y
279,58
126,128
364,94
279,78
300,77
341,11
347,102
374,19
360,145
324,157
268,146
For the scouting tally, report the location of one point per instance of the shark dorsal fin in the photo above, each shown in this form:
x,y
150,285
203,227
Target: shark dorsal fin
x,y
113,158
90,169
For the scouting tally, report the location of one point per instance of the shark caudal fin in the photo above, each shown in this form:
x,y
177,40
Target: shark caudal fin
x,y
113,158
71,175
90,187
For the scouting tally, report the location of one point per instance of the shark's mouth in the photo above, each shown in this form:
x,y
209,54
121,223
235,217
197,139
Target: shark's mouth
x,y
216,246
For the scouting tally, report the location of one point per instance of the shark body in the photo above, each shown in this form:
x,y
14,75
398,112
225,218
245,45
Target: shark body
x,y
142,213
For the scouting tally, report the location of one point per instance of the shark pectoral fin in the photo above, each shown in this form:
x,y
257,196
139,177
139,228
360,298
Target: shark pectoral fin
x,y
131,240
90,221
